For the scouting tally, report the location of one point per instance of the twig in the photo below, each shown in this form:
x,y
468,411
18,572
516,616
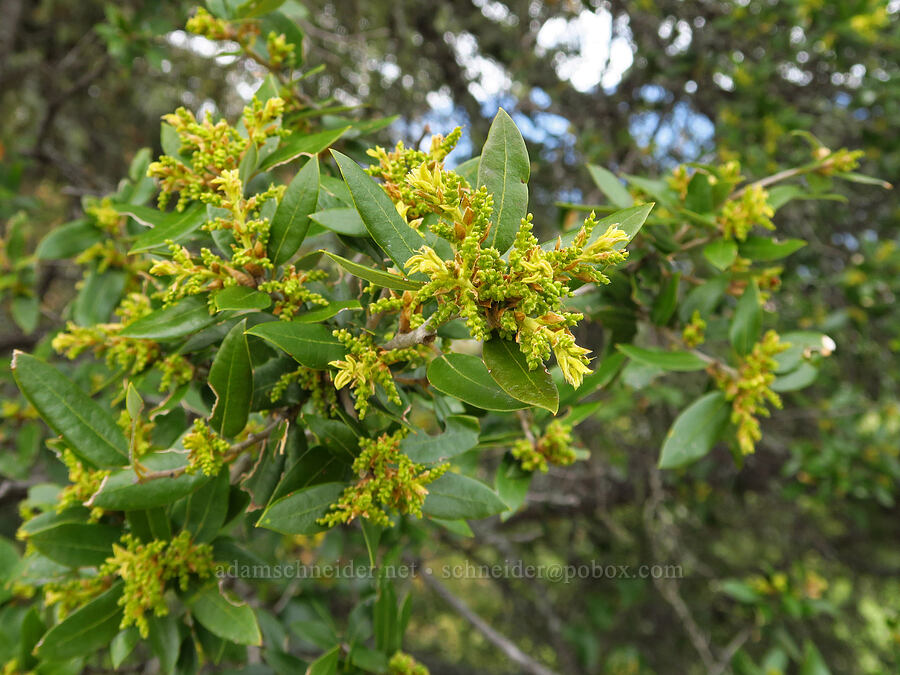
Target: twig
x,y
525,421
512,652
232,453
668,588
730,650
420,335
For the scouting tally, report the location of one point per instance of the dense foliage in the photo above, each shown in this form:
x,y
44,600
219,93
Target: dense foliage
x,y
291,346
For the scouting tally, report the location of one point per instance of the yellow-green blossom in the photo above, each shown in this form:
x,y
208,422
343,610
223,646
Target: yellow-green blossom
x,y
387,480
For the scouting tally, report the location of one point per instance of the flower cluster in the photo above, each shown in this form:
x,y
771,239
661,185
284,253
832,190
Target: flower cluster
x,y
680,178
521,296
749,390
318,383
554,447
394,167
83,484
207,449
210,149
837,161
105,215
388,479
129,354
73,593
132,355
404,664
694,333
291,291
740,215
146,568
205,24
281,52
250,232
366,365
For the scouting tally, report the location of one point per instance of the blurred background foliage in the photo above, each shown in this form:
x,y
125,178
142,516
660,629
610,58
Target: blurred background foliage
x,y
789,559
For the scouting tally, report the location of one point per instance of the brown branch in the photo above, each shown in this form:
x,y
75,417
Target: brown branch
x,y
421,335
512,652
668,588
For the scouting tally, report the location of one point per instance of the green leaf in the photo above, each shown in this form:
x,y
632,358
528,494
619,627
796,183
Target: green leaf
x,y
799,378
205,509
765,249
98,297
302,144
454,496
512,483
863,179
26,311
231,379
241,297
385,225
504,170
163,225
186,316
252,8
50,519
465,377
740,591
747,322
134,404
721,253
383,279
326,664
122,645
665,304
334,435
85,630
315,466
150,524
76,544
344,221
310,344
68,240
458,527
782,194
170,141
469,169
298,512
88,429
695,431
385,616
234,621
508,367
655,188
327,311
704,298
164,641
248,164
803,344
266,472
699,194
122,491
662,358
368,660
460,435
291,219
612,187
